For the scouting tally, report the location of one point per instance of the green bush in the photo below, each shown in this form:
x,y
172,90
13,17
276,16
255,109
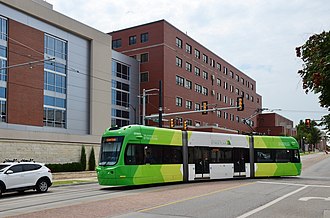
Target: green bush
x,y
83,158
66,167
91,161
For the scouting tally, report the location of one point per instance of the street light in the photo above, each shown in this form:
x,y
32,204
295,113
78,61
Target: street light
x,y
144,95
134,112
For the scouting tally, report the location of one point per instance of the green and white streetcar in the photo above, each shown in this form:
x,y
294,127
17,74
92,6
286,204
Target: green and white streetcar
x,y
138,155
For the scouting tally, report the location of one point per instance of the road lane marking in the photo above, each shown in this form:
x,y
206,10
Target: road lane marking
x,y
271,203
194,197
314,198
294,184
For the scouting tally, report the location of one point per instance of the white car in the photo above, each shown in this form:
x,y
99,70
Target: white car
x,y
21,176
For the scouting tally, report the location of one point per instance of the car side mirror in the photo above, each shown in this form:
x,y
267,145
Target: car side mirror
x,y
9,172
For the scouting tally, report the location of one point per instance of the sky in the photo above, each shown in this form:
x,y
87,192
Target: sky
x,y
256,36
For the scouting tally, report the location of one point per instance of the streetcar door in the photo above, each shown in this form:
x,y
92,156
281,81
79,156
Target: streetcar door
x,y
240,157
202,164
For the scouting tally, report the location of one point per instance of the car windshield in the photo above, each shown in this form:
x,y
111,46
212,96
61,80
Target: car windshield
x,y
110,149
3,166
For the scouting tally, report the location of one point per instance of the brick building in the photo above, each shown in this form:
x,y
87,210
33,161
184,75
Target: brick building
x,y
275,125
191,74
57,82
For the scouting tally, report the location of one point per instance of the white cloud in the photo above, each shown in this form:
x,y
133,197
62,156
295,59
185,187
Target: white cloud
x,y
258,37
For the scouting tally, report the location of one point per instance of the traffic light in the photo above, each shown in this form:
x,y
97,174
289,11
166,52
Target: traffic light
x,y
240,104
185,125
308,123
172,124
204,107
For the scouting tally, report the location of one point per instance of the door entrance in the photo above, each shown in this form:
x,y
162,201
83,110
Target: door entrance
x,y
202,162
240,157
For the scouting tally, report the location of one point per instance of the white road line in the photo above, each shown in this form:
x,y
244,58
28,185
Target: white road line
x,y
271,203
294,184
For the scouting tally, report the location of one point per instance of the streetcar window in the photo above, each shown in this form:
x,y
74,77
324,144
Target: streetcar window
x,y
134,155
282,156
295,156
264,156
153,154
221,155
110,149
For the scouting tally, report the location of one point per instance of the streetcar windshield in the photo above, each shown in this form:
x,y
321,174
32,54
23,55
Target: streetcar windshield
x,y
110,149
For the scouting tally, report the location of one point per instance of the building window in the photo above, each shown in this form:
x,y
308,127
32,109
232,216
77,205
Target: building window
x,y
132,40
205,75
197,107
237,91
237,119
144,77
120,70
205,91
55,47
226,70
231,74
231,102
251,86
178,101
197,54
189,104
3,110
231,88
219,97
205,59
55,75
179,80
3,29
242,81
178,61
189,122
219,66
188,48
251,98
212,62
225,85
3,63
218,82
197,71
225,99
178,42
237,78
54,82
116,43
198,88
54,112
188,67
144,57
225,114
144,37
218,113
188,84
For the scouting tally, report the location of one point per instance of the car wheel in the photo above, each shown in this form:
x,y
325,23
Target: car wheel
x,y
42,185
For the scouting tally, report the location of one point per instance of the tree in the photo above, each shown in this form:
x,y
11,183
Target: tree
x,y
83,158
315,54
91,160
311,135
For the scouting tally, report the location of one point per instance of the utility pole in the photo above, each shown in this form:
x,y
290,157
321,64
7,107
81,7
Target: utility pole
x,y
144,95
160,111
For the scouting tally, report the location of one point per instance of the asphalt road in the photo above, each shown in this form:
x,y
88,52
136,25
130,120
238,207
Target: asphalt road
x,y
304,196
